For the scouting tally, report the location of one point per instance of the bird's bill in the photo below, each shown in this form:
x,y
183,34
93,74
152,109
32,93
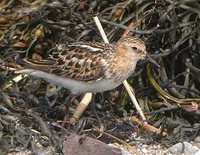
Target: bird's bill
x,y
148,58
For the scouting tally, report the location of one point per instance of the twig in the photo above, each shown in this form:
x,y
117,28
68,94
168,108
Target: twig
x,y
147,126
81,108
128,146
15,79
100,28
127,86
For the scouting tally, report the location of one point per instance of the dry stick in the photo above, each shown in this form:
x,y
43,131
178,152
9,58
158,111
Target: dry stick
x,y
10,82
147,126
81,108
100,28
127,86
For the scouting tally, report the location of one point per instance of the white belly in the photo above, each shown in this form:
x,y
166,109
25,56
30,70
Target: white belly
x,y
95,87
76,87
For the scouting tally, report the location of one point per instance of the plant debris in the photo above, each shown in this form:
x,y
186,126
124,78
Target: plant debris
x,y
35,116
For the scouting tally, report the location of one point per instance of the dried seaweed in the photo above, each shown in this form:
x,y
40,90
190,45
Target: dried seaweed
x,y
30,117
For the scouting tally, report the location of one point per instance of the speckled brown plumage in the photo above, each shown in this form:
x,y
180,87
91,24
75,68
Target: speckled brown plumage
x,y
89,67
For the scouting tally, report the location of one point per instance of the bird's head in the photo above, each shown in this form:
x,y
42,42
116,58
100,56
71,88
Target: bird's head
x,y
137,48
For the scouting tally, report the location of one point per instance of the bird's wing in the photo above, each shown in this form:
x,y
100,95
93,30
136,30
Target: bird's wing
x,y
82,62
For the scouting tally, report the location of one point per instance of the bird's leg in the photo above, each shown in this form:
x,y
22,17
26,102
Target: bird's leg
x,y
95,112
70,99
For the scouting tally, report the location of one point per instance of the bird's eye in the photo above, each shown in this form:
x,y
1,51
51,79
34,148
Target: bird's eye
x,y
134,48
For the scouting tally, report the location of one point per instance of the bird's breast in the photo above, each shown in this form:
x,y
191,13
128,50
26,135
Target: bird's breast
x,y
119,70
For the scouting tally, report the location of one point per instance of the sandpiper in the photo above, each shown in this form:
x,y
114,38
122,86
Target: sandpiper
x,y
89,67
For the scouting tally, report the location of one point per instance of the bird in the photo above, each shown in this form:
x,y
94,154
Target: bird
x,y
89,66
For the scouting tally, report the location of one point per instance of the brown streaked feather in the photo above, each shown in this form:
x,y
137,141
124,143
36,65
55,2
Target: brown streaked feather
x,y
42,65
78,62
